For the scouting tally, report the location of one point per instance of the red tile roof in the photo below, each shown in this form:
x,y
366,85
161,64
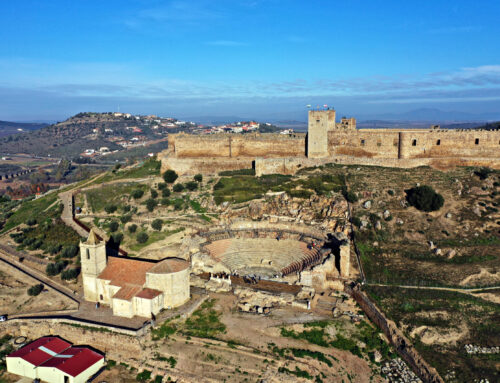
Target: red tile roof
x,y
169,265
148,293
74,360
32,353
51,351
127,292
122,271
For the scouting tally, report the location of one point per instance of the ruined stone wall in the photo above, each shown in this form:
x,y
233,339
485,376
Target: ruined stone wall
x,y
361,143
395,336
204,165
237,145
292,165
390,144
450,143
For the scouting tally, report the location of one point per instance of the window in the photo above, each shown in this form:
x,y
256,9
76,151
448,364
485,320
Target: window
x,y
379,143
438,142
477,141
362,142
317,120
414,143
88,253
100,297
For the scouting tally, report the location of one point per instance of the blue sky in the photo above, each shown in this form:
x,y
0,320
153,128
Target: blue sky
x,y
249,58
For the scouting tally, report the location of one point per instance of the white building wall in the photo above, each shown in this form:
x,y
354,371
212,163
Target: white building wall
x,y
85,375
52,375
19,366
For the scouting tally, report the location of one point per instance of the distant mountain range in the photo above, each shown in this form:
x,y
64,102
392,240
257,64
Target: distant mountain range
x,y
435,115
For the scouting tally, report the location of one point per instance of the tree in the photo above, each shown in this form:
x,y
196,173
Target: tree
x,y
113,226
483,173
191,185
31,222
70,274
349,195
198,178
117,238
110,209
154,193
151,204
132,228
424,198
162,185
142,237
70,251
125,218
170,176
137,194
157,224
55,268
165,192
178,188
35,290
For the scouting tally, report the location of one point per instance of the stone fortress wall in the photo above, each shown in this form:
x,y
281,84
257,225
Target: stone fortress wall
x,y
328,141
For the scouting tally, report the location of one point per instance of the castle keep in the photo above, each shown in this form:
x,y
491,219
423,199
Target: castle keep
x,y
330,141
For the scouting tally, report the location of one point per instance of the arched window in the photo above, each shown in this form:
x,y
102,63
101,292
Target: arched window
x,y
88,253
438,142
477,141
414,143
362,142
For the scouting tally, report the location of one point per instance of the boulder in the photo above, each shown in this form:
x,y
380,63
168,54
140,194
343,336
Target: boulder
x,y
378,226
367,204
386,214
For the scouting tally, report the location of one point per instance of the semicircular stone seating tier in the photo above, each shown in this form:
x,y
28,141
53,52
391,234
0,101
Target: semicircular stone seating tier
x,y
263,256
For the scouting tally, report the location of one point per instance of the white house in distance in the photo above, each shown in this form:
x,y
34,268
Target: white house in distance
x,y
52,359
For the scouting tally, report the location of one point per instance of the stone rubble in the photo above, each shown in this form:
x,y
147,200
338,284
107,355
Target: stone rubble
x,y
472,349
397,371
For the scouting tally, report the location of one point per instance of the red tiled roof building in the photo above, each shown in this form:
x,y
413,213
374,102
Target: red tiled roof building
x,y
132,287
52,359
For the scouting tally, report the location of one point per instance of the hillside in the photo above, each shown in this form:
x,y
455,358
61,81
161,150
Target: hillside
x,y
7,127
490,126
90,131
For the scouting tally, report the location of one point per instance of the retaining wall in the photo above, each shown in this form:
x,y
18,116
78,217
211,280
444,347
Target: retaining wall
x,y
403,346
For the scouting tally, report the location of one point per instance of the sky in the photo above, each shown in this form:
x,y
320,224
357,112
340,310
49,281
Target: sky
x,y
263,59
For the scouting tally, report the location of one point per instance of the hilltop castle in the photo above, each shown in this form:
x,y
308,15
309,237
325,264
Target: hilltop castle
x,y
329,141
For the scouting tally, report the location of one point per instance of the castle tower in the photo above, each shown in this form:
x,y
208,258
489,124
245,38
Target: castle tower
x,y
93,260
320,123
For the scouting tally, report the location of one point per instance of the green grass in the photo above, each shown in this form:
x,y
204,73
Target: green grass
x,y
204,322
111,194
30,209
164,331
316,334
155,236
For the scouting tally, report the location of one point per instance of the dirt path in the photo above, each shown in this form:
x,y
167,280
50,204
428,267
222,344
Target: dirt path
x,y
470,291
4,257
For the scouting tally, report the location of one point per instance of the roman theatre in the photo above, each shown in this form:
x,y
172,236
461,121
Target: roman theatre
x,y
274,255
